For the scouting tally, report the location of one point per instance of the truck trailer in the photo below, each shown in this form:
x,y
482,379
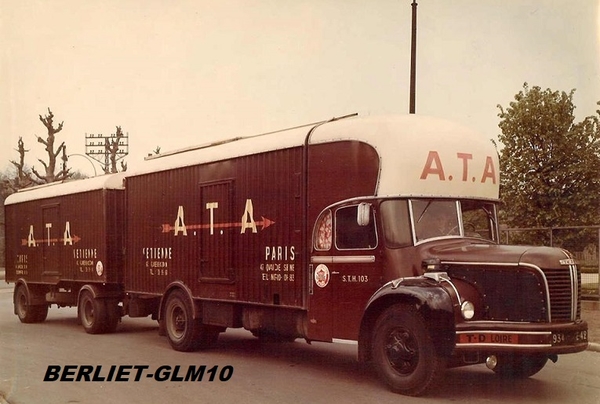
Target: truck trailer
x,y
378,230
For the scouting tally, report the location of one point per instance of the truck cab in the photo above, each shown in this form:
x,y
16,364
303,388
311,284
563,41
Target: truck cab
x,y
416,273
434,270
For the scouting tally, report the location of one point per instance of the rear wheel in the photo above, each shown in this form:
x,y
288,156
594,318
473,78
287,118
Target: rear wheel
x,y
186,333
27,312
181,328
403,351
519,366
92,313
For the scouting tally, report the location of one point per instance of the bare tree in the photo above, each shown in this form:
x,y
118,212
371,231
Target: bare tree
x,y
50,167
23,178
113,148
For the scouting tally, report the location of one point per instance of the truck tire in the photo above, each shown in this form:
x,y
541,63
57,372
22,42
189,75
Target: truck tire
x,y
403,351
183,331
92,313
519,366
24,310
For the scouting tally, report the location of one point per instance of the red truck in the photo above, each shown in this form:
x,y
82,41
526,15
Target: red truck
x,y
379,230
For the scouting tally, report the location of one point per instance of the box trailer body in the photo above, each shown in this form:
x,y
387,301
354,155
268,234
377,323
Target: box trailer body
x,y
75,234
234,230
381,230
60,238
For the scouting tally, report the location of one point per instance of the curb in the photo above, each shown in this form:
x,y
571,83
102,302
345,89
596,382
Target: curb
x,y
593,346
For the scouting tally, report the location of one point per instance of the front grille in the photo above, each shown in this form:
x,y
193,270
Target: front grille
x,y
519,294
508,293
563,286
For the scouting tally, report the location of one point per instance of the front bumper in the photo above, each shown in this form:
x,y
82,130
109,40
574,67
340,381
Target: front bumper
x,y
548,338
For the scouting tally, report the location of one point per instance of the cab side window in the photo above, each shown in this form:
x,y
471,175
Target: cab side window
x,y
349,235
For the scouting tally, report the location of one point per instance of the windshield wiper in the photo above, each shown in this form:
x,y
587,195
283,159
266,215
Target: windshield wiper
x,y
424,210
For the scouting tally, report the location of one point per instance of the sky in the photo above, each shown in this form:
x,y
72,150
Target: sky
x,y
186,72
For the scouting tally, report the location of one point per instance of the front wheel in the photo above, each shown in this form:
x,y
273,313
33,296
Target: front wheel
x,y
403,351
519,366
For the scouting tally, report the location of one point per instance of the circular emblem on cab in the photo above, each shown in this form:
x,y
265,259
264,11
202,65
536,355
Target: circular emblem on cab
x,y
322,275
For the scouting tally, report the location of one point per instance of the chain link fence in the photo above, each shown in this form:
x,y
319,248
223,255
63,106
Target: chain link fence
x,y
582,241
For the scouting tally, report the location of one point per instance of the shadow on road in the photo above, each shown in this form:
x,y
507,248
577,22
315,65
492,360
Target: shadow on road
x,y
339,361
299,362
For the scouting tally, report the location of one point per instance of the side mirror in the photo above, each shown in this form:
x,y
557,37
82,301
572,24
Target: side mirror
x,y
363,214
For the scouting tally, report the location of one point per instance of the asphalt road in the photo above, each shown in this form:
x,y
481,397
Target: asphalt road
x,y
243,370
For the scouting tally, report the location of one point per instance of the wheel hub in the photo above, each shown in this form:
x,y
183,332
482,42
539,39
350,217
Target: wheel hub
x,y
401,351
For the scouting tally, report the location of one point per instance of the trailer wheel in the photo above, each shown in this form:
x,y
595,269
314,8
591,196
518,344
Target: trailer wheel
x,y
403,351
92,313
26,312
182,330
519,366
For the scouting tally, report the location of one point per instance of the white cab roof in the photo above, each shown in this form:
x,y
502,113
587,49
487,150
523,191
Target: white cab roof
x,y
420,155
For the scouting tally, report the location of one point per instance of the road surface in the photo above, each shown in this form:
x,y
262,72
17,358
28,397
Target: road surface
x,y
243,370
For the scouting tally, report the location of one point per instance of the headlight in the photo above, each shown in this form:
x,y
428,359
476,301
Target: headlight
x,y
467,309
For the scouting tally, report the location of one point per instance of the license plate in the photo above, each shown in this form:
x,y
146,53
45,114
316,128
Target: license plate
x,y
561,338
488,338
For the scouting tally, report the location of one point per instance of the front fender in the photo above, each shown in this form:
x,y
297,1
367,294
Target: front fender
x,y
427,295
422,290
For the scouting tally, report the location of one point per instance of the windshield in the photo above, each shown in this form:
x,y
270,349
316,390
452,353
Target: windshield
x,y
435,218
426,219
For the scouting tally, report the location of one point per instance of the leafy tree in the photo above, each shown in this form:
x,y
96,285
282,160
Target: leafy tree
x,y
549,162
6,189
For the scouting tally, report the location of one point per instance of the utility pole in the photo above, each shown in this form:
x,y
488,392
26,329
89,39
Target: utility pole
x,y
106,149
413,59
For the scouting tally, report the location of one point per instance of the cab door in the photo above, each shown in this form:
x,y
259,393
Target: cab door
x,y
345,270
